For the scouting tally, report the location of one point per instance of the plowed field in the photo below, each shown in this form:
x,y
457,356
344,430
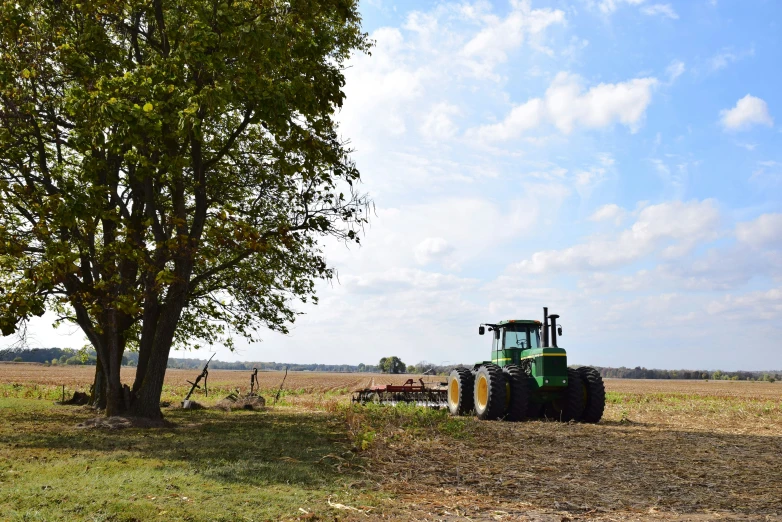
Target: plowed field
x,y
80,377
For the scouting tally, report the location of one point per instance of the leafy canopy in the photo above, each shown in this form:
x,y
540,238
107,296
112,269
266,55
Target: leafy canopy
x,y
167,153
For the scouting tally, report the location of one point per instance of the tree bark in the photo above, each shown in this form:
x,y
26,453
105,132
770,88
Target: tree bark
x,y
149,386
98,395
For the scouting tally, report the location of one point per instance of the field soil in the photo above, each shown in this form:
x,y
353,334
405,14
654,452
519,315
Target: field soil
x,y
80,378
665,450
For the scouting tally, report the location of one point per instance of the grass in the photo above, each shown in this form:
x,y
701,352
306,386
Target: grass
x,y
212,466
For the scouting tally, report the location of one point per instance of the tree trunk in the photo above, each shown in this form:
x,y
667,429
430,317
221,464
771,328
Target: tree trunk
x,y
98,394
149,386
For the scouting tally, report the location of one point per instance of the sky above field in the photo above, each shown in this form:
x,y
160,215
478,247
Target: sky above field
x,y
619,161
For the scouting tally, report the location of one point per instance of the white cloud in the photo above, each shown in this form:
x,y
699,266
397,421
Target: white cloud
x,y
674,70
438,124
669,230
765,231
610,212
609,6
765,304
378,86
660,9
566,106
749,111
403,280
726,57
501,35
432,249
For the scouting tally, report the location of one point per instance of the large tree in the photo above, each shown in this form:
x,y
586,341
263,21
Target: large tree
x,y
168,169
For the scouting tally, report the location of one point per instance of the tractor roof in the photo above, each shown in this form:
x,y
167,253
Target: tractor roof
x,y
522,321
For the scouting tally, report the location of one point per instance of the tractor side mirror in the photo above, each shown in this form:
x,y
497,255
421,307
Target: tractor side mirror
x,y
559,330
481,330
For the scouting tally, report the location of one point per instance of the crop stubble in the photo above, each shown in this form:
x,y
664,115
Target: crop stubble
x,y
665,449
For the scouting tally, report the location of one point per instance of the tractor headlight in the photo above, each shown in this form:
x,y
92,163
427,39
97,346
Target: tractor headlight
x,y
564,381
546,381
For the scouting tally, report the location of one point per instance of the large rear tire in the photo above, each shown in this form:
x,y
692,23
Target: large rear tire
x,y
517,393
594,394
489,392
460,391
570,406
535,410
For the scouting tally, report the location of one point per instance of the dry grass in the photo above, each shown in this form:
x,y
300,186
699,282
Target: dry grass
x,y
665,450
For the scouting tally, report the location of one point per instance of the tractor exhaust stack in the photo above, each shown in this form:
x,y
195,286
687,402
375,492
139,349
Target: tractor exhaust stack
x,y
545,327
553,318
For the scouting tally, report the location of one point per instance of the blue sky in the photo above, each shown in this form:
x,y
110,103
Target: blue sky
x,y
616,160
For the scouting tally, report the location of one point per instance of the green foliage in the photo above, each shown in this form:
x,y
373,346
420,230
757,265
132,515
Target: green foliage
x,y
17,359
392,365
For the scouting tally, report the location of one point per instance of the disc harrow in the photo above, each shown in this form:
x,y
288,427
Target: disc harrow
x,y
409,392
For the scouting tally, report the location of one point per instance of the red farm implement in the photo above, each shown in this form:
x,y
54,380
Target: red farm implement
x,y
431,396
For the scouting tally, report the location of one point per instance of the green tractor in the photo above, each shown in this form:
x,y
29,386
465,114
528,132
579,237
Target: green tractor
x,y
526,378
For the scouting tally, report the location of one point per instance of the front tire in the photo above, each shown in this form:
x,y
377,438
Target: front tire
x,y
570,406
460,391
594,394
489,392
517,399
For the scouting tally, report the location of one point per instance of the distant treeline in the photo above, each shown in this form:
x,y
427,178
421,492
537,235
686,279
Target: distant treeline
x,y
245,365
58,356
69,356
644,373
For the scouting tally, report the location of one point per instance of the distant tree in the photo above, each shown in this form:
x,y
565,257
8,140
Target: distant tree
x,y
392,365
168,169
18,359
412,369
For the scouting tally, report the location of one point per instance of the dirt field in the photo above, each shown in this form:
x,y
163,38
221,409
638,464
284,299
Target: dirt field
x,y
672,450
80,377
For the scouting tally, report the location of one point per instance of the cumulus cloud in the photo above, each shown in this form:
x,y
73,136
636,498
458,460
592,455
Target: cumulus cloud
x,y
438,123
748,112
669,230
764,304
566,106
432,249
660,9
403,280
378,86
610,212
765,231
501,35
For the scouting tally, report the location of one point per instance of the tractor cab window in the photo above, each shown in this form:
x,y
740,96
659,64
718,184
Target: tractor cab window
x,y
520,337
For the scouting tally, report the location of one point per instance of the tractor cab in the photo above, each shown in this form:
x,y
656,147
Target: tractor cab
x,y
518,342
511,338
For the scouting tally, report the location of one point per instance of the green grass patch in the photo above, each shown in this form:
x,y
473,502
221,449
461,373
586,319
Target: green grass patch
x,y
369,421
211,466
